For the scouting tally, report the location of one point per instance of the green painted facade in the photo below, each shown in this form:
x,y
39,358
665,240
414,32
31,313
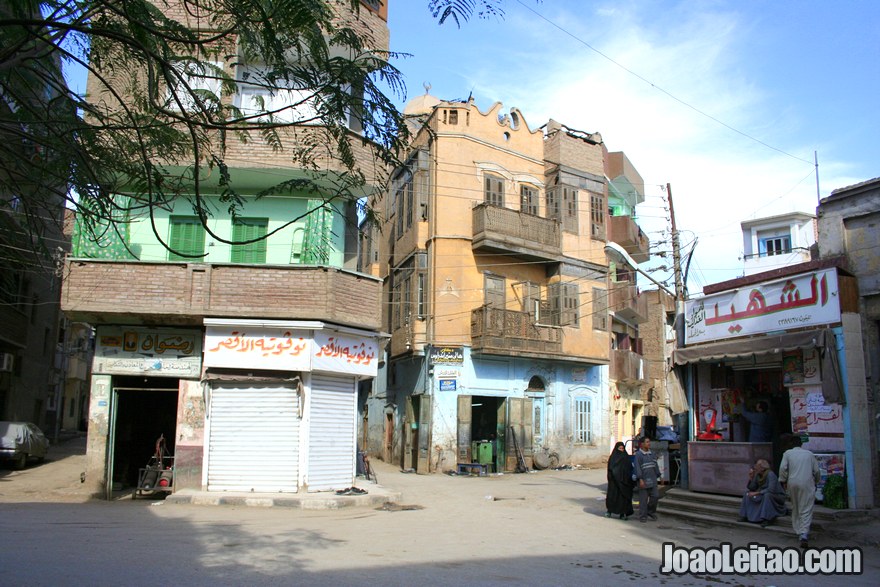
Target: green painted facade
x,y
302,229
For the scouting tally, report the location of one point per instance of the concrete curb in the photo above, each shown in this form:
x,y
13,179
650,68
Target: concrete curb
x,y
375,497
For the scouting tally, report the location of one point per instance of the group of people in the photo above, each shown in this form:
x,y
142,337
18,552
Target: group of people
x,y
625,474
763,502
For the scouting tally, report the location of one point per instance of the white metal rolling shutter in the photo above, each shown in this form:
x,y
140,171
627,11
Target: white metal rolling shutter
x,y
254,438
332,432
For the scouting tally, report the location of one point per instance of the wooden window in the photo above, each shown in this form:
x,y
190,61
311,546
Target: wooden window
x,y
406,306
395,307
564,304
528,199
494,190
187,237
420,296
494,288
245,229
597,216
569,209
453,117
531,298
600,309
552,199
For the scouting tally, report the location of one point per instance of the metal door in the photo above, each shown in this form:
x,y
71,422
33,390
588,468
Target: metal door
x,y
253,438
332,432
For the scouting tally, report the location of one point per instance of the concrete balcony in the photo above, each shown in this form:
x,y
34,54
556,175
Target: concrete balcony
x,y
508,332
509,232
183,294
624,231
627,366
626,302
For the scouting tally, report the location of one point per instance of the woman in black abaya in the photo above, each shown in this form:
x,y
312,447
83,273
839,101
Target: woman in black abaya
x,y
618,500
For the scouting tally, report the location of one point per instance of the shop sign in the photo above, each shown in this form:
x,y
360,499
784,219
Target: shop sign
x,y
163,352
240,347
447,385
343,353
451,355
810,299
579,375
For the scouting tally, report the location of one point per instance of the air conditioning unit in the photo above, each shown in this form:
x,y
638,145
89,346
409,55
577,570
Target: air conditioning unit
x,y
6,362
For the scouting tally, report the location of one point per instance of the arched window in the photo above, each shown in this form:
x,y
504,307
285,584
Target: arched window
x,y
536,384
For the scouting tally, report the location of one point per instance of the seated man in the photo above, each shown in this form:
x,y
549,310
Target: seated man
x,y
765,499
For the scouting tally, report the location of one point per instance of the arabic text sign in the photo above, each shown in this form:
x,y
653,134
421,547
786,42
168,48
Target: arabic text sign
x,y
451,355
805,300
257,348
153,351
340,353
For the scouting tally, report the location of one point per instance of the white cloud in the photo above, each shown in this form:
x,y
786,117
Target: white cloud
x,y
718,176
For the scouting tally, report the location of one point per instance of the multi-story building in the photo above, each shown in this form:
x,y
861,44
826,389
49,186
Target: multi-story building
x,y
628,373
776,242
848,225
497,292
238,339
31,218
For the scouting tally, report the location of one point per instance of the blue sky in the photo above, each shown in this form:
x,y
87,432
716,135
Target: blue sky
x,y
781,79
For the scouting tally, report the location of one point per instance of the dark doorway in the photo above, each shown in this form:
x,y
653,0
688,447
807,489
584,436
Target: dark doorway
x,y
489,424
146,408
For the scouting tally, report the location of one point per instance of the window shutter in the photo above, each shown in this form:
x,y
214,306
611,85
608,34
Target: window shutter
x,y
494,190
187,236
600,309
494,295
245,229
552,196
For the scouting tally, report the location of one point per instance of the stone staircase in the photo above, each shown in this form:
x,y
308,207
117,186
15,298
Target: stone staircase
x,y
723,510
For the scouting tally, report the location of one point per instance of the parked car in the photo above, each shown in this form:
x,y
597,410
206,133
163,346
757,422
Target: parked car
x,y
20,441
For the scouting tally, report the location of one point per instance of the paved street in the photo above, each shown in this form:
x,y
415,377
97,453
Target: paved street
x,y
541,528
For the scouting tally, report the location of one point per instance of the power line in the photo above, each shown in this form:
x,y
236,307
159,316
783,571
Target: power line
x,y
658,88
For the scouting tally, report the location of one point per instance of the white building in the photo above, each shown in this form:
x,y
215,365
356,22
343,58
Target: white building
x,y
777,241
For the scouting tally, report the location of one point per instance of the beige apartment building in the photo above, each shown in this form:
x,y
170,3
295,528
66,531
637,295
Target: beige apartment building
x,y
514,341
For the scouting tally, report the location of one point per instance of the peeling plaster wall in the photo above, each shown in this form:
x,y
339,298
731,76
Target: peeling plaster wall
x,y
189,445
99,429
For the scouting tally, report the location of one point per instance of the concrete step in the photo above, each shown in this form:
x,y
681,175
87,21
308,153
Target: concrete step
x,y
780,526
695,500
717,512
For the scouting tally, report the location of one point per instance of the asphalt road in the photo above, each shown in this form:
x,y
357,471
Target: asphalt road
x,y
543,528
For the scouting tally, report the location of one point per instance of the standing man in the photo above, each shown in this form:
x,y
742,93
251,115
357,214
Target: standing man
x,y
647,472
760,424
799,474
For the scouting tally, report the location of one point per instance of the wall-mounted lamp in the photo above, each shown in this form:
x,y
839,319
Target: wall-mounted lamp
x,y
617,254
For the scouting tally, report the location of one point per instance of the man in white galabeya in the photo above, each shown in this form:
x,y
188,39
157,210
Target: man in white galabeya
x,y
799,474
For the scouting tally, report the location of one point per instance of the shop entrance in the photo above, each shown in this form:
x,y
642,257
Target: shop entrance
x,y
495,430
142,410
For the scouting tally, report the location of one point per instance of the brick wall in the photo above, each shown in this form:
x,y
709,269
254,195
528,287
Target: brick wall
x,y
101,292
